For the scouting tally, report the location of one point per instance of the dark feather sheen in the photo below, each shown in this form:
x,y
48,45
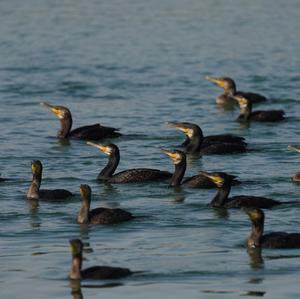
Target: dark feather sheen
x,y
94,132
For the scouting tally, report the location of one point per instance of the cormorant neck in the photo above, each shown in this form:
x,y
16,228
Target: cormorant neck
x,y
194,143
110,167
83,215
75,272
230,91
33,192
65,127
178,174
245,112
221,197
257,231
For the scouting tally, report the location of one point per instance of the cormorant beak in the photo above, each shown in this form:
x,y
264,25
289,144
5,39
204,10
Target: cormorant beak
x,y
54,109
105,149
173,155
218,180
177,125
216,81
294,148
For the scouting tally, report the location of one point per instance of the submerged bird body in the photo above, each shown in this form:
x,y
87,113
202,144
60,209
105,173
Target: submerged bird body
x,y
99,215
246,113
230,91
223,181
36,193
95,272
197,181
216,144
135,175
258,239
90,132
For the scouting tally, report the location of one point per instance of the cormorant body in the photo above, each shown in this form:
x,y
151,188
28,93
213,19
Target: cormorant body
x,y
223,181
246,113
99,215
127,176
197,181
258,239
230,91
90,132
216,144
36,193
96,272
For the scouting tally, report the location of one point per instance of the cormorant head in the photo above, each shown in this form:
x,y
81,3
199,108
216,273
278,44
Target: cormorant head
x,y
224,82
219,178
85,191
176,155
76,246
255,214
187,128
36,167
110,149
242,100
60,111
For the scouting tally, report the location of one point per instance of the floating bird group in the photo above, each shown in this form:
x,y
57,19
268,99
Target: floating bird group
x,y
195,142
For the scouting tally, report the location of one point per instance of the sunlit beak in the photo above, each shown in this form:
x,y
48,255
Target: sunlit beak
x,y
54,109
215,178
179,126
103,148
217,81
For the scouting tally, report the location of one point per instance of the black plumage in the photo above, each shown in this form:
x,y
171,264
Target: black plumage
x,y
229,86
95,272
246,113
99,215
258,239
134,175
89,132
196,181
216,144
36,193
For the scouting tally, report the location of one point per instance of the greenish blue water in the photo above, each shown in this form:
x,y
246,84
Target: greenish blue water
x,y
136,65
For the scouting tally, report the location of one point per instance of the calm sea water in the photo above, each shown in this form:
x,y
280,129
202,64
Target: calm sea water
x,y
136,65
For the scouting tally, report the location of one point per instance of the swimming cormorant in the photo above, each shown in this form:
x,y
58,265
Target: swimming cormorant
x,y
91,132
216,144
99,215
230,91
246,113
36,193
197,181
223,181
127,176
96,272
258,239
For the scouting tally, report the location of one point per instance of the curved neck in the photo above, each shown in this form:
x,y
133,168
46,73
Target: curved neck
x,y
83,215
257,231
65,127
110,167
75,272
178,174
33,191
221,197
